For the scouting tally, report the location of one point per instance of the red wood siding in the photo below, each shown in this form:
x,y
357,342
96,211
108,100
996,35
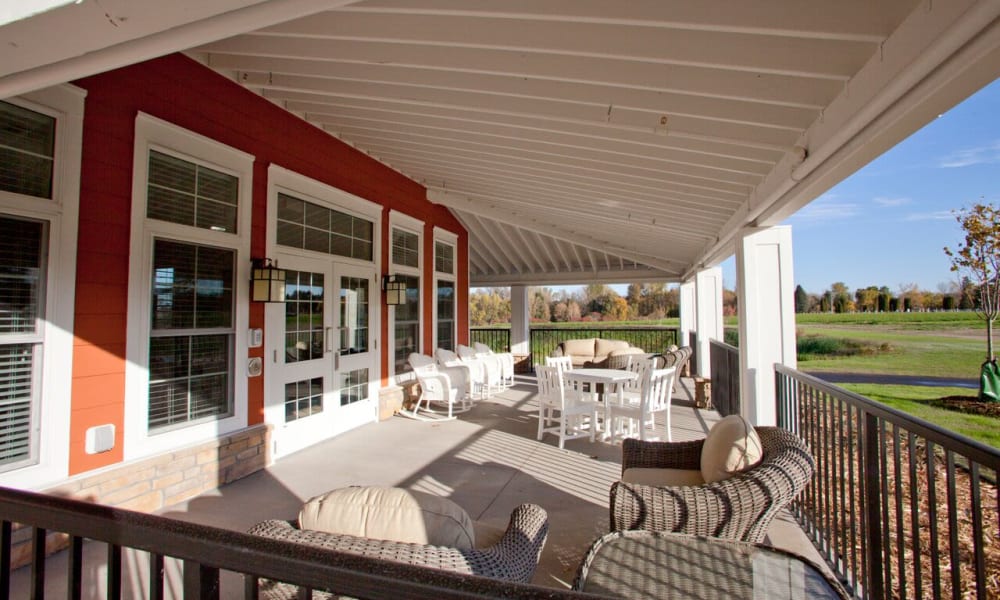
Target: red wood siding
x,y
185,93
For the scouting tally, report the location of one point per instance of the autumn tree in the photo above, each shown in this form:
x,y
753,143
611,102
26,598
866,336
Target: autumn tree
x,y
978,258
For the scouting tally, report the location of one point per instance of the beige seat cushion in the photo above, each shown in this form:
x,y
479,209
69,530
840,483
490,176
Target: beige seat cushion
x,y
390,514
731,446
579,348
663,477
604,348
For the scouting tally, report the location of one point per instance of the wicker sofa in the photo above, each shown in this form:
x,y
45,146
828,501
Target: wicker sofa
x,y
740,507
513,558
597,352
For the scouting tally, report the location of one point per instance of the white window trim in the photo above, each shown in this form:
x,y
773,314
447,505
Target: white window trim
x,y
153,133
280,179
66,104
398,220
446,237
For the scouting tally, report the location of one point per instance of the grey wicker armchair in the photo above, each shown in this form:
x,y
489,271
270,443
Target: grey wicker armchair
x,y
513,558
739,508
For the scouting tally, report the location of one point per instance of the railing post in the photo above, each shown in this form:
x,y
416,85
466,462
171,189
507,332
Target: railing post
x,y
200,582
873,509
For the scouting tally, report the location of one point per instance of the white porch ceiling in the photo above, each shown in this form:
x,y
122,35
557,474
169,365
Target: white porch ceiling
x,y
600,140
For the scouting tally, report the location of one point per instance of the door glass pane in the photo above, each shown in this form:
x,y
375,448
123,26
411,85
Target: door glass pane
x,y
444,258
21,273
405,248
354,298
192,286
309,226
407,324
189,379
180,191
304,296
303,398
22,277
27,151
16,365
446,315
353,386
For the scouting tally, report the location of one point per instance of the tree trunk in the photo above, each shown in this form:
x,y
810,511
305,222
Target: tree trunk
x,y
989,340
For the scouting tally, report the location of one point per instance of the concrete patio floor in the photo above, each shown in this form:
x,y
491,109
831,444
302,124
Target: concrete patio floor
x,y
487,461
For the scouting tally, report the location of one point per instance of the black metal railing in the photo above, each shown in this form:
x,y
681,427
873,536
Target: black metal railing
x,y
204,551
497,338
650,338
693,342
725,365
898,507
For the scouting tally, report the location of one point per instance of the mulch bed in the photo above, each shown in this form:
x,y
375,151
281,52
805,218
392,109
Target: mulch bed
x,y
968,404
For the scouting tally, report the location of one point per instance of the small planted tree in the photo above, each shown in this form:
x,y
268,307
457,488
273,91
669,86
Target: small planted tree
x,y
978,258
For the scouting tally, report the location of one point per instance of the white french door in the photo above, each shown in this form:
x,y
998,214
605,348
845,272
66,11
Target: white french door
x,y
320,347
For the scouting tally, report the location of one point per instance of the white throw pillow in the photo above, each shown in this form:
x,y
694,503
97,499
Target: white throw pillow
x,y
731,446
393,514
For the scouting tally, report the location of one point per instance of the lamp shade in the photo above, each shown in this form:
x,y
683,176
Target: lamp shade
x,y
267,282
395,291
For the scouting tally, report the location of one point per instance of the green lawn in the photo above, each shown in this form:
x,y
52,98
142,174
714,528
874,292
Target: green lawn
x,y
913,400
908,353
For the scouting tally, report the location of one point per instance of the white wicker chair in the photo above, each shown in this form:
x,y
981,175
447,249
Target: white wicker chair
x,y
506,363
489,365
438,385
471,374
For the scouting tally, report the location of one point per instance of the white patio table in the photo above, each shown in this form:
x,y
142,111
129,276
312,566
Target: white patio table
x,y
605,378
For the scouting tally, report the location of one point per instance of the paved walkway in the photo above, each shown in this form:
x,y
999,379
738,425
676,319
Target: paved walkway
x,y
884,379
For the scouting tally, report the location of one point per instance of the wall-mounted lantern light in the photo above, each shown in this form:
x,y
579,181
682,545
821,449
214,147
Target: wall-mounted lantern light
x,y
267,281
395,291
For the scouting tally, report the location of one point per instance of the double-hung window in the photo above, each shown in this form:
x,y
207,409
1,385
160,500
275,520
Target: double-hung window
x,y
444,287
406,262
188,288
39,191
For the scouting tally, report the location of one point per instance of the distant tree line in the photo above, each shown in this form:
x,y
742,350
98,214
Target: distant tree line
x,y
908,297
654,301
595,302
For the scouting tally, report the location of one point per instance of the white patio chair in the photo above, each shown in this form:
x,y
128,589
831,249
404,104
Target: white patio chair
x,y
472,375
654,397
490,366
563,363
438,386
560,407
506,363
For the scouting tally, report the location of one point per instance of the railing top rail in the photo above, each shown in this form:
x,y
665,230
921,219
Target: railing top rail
x,y
715,342
608,328
357,576
950,440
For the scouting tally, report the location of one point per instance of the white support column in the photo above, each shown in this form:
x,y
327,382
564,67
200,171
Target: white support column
x,y
708,315
689,312
520,342
766,301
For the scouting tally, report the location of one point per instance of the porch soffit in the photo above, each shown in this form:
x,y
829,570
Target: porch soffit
x,y
590,140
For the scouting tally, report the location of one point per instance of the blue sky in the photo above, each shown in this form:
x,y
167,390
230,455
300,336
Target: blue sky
x,y
887,223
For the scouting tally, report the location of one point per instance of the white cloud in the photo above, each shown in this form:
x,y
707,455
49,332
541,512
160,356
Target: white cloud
x,y
938,215
826,208
890,202
988,154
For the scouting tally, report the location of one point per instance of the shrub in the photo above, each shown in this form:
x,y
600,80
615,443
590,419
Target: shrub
x,y
819,346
